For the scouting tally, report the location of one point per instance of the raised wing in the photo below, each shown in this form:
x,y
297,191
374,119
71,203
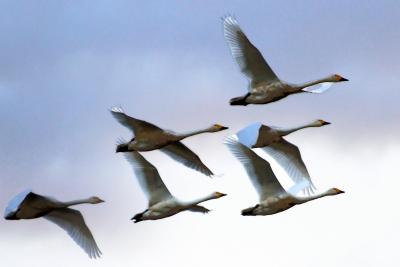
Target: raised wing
x,y
250,60
181,153
258,169
289,158
138,127
149,178
73,223
16,201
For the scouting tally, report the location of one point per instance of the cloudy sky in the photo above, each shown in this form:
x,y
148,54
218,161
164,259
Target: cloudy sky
x,y
63,64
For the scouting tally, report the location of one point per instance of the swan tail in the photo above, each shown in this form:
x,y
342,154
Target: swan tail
x,y
249,211
239,101
138,217
318,89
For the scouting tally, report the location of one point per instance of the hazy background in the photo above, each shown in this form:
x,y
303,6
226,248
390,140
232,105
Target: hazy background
x,y
64,63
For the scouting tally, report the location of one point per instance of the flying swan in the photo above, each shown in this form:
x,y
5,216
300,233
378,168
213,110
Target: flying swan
x,y
287,155
161,203
264,86
273,197
28,205
149,137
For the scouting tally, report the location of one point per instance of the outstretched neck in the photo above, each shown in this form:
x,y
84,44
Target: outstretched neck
x,y
286,131
301,200
192,133
312,83
200,200
77,202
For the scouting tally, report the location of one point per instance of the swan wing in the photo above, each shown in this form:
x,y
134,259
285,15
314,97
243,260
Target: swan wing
x,y
137,126
289,158
258,169
73,223
250,60
181,153
149,178
16,201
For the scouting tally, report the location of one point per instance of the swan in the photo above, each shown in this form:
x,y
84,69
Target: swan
x,y
273,197
264,86
270,139
149,137
161,203
28,205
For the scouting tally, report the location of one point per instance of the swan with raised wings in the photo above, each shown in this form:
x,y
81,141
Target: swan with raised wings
x,y
287,155
149,137
28,205
264,86
161,203
273,197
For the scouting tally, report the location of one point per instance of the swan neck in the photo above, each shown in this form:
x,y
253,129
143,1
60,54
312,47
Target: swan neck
x,y
310,198
192,133
200,200
312,83
287,131
76,202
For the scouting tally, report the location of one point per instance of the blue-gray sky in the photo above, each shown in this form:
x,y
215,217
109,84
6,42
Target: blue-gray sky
x,y
64,63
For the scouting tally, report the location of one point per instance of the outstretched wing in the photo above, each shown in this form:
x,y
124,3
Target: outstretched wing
x,y
250,60
149,178
138,127
289,158
258,169
181,153
73,223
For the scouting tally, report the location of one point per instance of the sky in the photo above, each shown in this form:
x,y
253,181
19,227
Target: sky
x,y
65,63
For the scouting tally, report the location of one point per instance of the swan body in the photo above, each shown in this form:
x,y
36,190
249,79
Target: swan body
x,y
162,203
288,156
265,86
28,205
149,137
273,197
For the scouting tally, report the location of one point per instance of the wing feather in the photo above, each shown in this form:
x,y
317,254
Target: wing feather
x,y
149,178
289,158
73,223
181,153
258,169
250,60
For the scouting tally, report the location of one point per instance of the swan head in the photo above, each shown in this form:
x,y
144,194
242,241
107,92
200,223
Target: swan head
x,y
337,78
95,200
218,127
218,194
334,191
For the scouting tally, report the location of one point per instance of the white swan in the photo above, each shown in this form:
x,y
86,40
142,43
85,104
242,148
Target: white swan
x,y
273,197
271,140
148,137
264,86
162,203
28,205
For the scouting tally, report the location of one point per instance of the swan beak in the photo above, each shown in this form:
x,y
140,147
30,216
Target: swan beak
x,y
325,123
220,127
220,194
339,191
339,78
